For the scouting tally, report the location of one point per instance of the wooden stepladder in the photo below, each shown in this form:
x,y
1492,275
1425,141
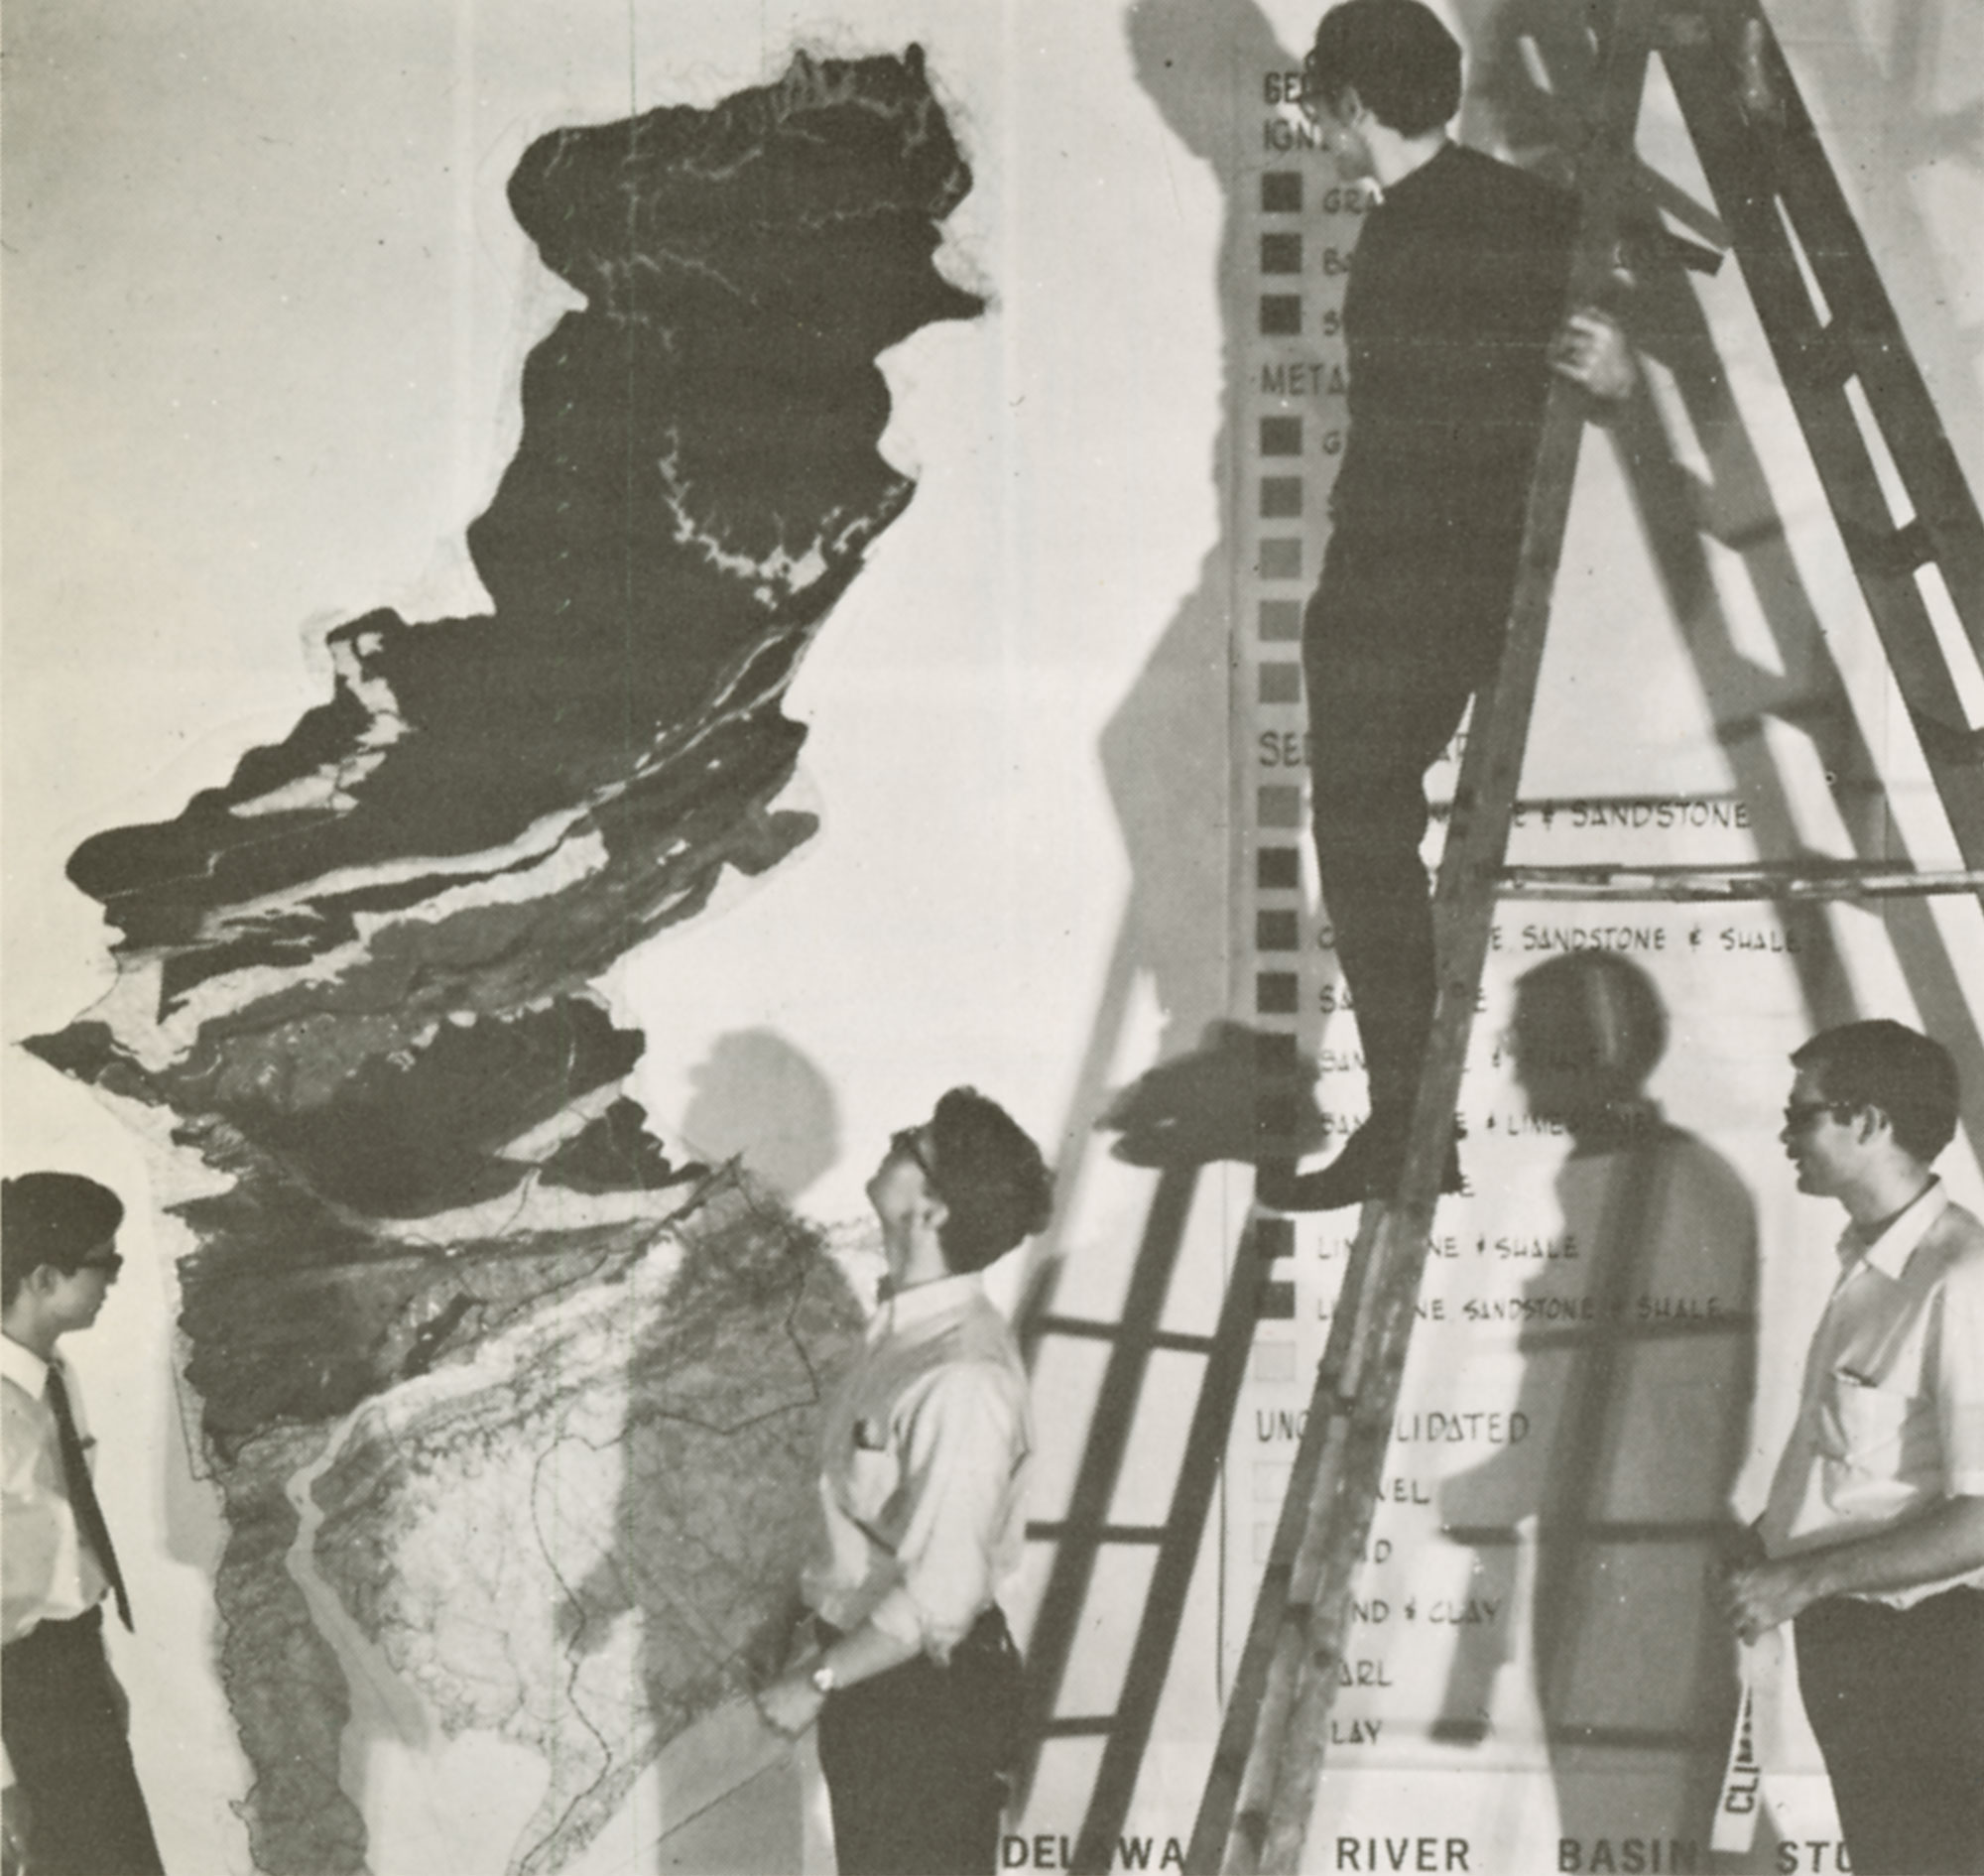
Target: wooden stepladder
x,y
1831,327
1773,185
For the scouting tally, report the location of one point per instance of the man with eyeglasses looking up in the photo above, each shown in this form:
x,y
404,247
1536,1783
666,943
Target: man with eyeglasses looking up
x,y
73,1807
1453,320
1872,1542
914,1681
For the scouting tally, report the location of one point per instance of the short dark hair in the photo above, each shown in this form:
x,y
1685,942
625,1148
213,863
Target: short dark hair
x,y
1886,1064
995,1186
1594,1012
1402,62
55,1219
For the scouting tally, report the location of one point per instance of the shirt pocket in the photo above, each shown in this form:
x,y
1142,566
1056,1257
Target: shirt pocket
x,y
1867,1426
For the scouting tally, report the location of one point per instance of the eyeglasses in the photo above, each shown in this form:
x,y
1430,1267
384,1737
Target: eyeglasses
x,y
1801,1114
910,1144
110,1263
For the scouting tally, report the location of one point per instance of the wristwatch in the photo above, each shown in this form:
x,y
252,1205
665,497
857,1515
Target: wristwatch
x,y
824,1680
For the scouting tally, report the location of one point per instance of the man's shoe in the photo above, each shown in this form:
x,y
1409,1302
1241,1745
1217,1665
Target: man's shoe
x,y
1368,1168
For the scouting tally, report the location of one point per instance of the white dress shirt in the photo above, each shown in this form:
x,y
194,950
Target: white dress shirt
x,y
1891,1420
48,1573
922,1477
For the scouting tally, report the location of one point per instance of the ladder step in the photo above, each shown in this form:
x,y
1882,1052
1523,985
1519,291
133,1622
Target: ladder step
x,y
1091,1727
1826,356
1896,552
1593,1531
1084,1330
1906,549
1060,1531
1799,880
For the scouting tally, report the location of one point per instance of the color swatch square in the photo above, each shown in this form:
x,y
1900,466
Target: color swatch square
x,y
1281,683
1281,619
1281,192
1275,1360
1281,497
1271,1477
1275,993
1281,315
1280,436
1276,1057
1279,804
1274,1237
1277,869
1281,557
1275,932
1281,254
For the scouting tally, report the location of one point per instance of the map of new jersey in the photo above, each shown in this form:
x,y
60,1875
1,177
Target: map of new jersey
x,y
490,1385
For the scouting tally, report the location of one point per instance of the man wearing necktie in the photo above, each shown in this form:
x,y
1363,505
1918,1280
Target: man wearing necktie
x,y
73,1807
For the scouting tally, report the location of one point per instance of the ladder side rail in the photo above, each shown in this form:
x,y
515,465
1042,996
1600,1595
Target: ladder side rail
x,y
1310,1643
1178,1556
1464,906
1338,1532
1869,329
1285,1642
1245,1698
1746,196
1052,1642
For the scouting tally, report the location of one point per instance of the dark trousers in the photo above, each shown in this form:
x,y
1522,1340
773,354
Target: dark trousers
x,y
1393,648
64,1723
917,1760
1895,1698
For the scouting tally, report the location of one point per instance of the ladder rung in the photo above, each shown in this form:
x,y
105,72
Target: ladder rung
x,y
1826,356
1798,880
1908,548
1897,552
1056,1531
1596,1530
1090,1727
1084,1330
1633,1738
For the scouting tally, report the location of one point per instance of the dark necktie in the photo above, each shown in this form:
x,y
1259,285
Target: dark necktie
x,y
82,1492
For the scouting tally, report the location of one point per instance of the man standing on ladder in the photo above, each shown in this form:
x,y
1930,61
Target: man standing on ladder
x,y
1456,290
1871,1544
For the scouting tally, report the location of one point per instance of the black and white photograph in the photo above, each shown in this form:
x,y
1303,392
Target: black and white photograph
x,y
960,935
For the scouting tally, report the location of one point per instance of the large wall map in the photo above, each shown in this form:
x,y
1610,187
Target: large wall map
x,y
490,1388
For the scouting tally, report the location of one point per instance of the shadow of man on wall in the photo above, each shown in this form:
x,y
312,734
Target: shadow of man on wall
x,y
1638,1358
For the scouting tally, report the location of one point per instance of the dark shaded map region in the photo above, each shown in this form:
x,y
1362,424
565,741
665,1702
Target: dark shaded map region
x,y
697,480
490,1385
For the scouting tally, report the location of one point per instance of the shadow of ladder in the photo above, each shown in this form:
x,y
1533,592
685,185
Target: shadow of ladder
x,y
1251,1293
